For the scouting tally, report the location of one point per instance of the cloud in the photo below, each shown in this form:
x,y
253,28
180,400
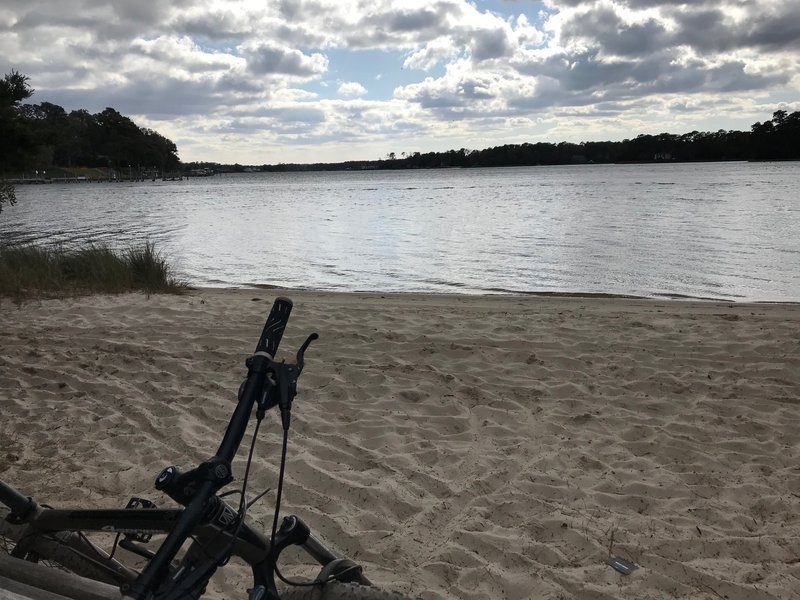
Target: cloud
x,y
431,54
351,89
487,44
703,25
626,50
266,58
182,54
403,24
288,71
712,29
218,24
605,29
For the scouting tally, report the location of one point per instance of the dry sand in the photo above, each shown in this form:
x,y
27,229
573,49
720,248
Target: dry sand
x,y
460,447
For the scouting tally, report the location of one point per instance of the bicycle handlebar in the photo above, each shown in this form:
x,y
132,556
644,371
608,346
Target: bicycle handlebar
x,y
273,329
212,477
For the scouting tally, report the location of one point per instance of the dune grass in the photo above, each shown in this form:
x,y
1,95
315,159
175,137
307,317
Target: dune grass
x,y
35,271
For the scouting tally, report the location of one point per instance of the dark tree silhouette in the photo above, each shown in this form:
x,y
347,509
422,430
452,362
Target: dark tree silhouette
x,y
17,143
778,139
38,136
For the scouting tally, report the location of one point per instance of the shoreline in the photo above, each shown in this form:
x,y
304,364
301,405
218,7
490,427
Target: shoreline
x,y
440,438
505,294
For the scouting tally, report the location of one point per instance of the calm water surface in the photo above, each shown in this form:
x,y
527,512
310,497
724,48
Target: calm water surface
x,y
721,230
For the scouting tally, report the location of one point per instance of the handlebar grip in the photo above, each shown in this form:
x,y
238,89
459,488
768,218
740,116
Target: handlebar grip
x,y
273,329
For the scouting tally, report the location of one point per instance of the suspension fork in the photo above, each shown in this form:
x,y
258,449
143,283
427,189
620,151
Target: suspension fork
x,y
294,532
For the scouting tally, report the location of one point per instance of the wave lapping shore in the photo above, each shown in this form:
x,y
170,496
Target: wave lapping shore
x,y
459,447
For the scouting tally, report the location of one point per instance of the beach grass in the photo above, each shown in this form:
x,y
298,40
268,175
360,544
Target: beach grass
x,y
28,271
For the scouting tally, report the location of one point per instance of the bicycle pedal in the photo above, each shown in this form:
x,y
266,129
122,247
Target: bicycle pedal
x,y
138,503
135,502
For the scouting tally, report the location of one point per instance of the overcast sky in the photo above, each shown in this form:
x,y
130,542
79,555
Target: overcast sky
x,y
328,80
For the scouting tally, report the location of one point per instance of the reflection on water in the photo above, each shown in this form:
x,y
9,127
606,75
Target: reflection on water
x,y
723,230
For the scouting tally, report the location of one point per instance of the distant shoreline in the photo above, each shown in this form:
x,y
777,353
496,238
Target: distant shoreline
x,y
110,176
333,167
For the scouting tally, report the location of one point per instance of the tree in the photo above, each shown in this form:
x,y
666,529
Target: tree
x,y
17,143
14,89
778,138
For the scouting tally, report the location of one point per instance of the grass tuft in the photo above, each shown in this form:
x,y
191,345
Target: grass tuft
x,y
35,271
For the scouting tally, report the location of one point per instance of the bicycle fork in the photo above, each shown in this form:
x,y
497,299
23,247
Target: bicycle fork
x,y
294,532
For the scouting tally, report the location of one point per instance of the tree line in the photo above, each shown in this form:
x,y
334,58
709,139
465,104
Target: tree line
x,y
776,139
38,136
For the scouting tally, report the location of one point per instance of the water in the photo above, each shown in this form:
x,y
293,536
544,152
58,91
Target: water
x,y
721,230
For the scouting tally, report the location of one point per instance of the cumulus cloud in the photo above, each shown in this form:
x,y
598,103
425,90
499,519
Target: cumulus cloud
x,y
431,54
490,43
625,50
607,30
272,59
351,89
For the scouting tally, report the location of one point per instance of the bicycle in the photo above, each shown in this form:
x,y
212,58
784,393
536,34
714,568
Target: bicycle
x,y
31,532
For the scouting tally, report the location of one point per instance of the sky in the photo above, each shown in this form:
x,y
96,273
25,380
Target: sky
x,y
264,82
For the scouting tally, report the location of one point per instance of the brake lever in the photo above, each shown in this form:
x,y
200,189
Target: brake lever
x,y
300,361
280,385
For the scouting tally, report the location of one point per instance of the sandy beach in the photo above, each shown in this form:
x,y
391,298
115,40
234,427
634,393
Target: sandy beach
x,y
472,448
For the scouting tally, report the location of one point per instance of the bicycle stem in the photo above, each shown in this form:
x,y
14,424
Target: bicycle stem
x,y
212,480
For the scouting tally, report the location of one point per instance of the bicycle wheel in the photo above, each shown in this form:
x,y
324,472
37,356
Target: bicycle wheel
x,y
66,551
339,591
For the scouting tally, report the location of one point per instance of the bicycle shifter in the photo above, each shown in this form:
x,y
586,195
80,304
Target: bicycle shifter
x,y
282,382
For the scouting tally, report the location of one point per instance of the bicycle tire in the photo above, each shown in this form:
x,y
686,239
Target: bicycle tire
x,y
52,549
339,591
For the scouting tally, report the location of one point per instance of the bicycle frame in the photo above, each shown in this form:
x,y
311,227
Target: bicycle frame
x,y
215,534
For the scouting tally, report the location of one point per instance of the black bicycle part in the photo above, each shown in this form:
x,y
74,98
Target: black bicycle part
x,y
194,584
20,506
132,540
281,385
283,378
273,329
293,531
219,528
139,536
268,383
203,483
33,540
